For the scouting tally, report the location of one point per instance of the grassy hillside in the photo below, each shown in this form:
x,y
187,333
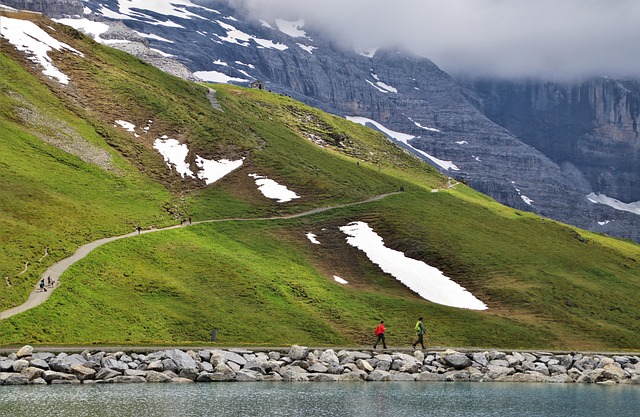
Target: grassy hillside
x,y
69,175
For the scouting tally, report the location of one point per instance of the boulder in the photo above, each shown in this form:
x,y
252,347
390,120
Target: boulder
x,y
39,363
170,365
82,372
106,373
20,365
64,362
16,379
25,351
51,376
157,377
189,373
247,376
329,357
181,359
32,373
378,375
318,368
612,372
455,360
6,365
360,376
155,366
401,376
298,352
364,365
480,358
293,374
323,377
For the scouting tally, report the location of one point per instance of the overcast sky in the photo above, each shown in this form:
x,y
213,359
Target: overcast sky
x,y
514,38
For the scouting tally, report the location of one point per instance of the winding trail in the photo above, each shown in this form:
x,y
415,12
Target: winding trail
x,y
38,297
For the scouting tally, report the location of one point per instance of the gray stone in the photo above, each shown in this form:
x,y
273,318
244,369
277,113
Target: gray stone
x,y
455,360
157,377
189,373
82,372
378,375
430,377
51,376
384,357
135,372
401,376
20,365
353,377
234,357
557,370
247,376
496,372
329,357
383,366
6,365
272,377
106,373
181,359
457,376
480,358
317,368
39,363
38,381
121,379
500,362
155,366
25,351
206,366
290,374
64,362
323,378
170,365
16,379
298,352
114,364
217,358
32,373
205,355
364,365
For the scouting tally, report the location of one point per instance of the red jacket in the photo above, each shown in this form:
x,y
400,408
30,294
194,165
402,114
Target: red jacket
x,y
380,329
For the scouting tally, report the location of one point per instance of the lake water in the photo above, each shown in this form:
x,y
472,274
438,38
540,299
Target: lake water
x,y
322,399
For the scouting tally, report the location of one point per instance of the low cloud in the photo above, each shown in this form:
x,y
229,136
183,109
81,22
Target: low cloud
x,y
506,38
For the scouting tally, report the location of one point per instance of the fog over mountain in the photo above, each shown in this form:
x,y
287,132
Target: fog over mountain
x,y
505,38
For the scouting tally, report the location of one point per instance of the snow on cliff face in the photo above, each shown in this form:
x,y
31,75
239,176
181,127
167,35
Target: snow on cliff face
x,y
29,38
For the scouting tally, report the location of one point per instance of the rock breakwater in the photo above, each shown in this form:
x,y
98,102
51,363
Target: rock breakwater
x,y
301,364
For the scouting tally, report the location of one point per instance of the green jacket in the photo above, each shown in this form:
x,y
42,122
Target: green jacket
x,y
420,328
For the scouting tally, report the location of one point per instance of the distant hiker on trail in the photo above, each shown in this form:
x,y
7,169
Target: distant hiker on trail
x,y
380,333
138,229
420,330
42,288
49,280
189,219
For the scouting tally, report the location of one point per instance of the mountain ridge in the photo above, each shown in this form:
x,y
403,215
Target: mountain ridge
x,y
403,92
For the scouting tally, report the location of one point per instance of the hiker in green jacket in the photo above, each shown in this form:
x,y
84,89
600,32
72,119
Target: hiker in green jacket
x,y
420,330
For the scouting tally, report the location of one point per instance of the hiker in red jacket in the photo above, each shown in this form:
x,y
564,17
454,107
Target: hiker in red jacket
x,y
380,333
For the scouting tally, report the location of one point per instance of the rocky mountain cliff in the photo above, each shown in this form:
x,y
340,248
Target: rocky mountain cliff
x,y
496,142
592,125
51,8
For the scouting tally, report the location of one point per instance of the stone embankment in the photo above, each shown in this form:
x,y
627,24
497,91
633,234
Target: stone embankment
x,y
301,364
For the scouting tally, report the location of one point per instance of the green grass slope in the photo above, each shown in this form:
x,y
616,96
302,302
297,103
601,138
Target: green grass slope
x,y
68,176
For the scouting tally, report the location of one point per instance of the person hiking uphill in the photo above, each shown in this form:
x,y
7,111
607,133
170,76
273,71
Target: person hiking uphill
x,y
380,333
420,330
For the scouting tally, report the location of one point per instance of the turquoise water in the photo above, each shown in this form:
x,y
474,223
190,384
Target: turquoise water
x,y
322,399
